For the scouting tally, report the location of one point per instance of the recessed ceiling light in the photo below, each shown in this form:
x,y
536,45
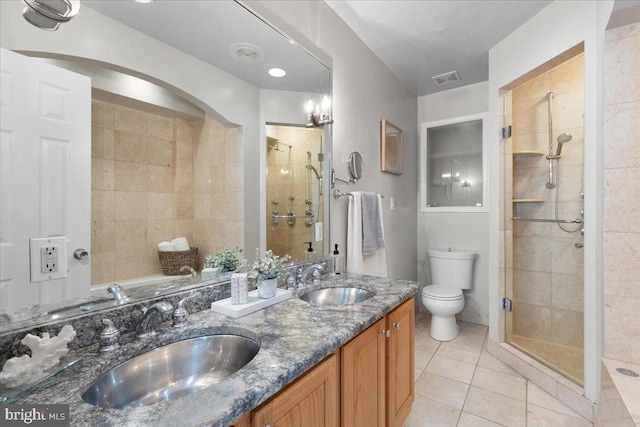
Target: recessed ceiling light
x,y
277,72
144,1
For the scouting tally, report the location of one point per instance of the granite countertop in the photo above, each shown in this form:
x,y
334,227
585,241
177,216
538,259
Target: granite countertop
x,y
293,334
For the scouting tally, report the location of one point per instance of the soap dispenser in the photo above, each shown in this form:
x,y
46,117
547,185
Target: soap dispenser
x,y
337,261
310,254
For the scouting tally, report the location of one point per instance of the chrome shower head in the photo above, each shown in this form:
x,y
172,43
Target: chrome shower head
x,y
563,138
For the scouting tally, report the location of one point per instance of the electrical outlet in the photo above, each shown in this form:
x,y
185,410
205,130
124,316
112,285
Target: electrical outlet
x,y
48,258
392,203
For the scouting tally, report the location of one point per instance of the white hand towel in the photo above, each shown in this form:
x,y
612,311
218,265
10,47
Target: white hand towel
x,y
166,247
181,244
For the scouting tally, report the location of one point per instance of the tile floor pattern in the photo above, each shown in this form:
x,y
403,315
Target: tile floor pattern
x,y
459,384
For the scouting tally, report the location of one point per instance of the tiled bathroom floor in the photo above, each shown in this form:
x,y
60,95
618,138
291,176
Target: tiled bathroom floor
x,y
458,383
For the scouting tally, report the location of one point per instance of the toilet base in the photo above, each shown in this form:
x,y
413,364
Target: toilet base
x,y
443,328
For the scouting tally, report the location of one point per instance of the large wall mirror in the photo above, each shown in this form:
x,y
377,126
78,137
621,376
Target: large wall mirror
x,y
181,99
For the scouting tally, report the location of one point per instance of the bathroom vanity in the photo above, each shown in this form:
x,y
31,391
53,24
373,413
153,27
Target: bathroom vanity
x,y
310,353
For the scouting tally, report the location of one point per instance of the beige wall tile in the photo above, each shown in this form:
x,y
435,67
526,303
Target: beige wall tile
x,y
567,292
102,205
622,337
160,206
202,206
534,89
160,127
622,62
184,155
102,174
184,209
102,236
130,176
102,267
574,399
130,147
621,251
622,134
129,120
130,205
131,234
183,228
202,180
533,254
565,257
567,327
159,230
532,287
532,321
161,152
568,76
185,131
621,201
102,114
102,143
160,179
622,32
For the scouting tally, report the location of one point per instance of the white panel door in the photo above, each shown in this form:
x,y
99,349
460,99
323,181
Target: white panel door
x,y
45,173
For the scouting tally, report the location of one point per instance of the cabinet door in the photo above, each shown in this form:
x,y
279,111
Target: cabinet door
x,y
311,401
400,367
363,378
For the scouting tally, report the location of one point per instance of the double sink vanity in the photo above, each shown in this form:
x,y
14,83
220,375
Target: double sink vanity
x,y
339,352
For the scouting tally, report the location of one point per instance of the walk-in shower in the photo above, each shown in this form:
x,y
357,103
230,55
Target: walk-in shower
x,y
294,190
544,218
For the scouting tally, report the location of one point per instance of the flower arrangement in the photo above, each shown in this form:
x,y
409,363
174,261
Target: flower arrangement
x,y
225,260
269,267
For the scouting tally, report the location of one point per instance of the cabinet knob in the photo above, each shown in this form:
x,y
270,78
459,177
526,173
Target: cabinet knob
x,y
396,325
386,332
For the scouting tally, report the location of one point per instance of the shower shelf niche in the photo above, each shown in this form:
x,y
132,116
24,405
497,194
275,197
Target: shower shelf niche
x,y
528,200
523,154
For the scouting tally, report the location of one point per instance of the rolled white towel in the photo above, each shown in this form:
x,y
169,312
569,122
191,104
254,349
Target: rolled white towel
x,y
166,247
180,244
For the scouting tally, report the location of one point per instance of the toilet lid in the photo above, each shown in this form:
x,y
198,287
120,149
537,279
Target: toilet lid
x,y
442,292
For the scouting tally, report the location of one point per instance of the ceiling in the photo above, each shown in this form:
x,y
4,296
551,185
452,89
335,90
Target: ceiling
x,y
207,29
421,39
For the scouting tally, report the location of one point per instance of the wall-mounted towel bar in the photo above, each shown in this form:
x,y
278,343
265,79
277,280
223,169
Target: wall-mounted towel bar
x,y
555,221
337,194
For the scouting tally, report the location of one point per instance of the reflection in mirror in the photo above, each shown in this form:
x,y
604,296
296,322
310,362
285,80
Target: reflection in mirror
x,y
355,166
169,154
295,198
453,165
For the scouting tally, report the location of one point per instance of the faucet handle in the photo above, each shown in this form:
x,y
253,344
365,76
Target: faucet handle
x,y
181,314
109,337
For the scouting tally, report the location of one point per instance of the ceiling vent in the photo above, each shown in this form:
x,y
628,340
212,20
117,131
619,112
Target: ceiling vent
x,y
246,53
447,78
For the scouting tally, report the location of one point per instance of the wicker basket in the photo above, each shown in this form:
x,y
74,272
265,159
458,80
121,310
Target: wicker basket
x,y
172,261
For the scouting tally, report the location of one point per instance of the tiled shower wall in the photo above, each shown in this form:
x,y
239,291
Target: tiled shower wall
x,y
547,268
141,166
287,176
218,188
621,201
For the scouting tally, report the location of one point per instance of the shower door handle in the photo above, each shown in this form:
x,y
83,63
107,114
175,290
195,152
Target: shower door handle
x,y
579,246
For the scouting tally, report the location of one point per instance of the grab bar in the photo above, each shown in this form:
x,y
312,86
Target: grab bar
x,y
555,221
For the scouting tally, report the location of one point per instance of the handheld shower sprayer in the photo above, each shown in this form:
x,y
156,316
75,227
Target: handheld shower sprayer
x,y
563,138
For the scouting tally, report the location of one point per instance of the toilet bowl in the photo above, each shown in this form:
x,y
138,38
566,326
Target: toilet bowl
x,y
451,272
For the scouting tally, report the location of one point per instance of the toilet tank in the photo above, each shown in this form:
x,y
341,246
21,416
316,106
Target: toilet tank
x,y
451,267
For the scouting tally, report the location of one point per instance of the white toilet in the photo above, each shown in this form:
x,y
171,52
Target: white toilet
x,y
451,272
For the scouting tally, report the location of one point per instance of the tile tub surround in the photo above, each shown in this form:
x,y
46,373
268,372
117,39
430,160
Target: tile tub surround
x,y
294,337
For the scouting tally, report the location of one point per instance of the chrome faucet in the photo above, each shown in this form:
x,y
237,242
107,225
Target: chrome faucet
x,y
119,295
304,275
191,270
147,326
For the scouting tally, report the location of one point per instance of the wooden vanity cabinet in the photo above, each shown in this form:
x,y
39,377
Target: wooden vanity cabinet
x,y
378,372
313,400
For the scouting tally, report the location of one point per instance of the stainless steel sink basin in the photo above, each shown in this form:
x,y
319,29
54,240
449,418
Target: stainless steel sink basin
x,y
171,371
343,295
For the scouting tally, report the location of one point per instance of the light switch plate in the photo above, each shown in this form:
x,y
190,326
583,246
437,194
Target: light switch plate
x,y
48,258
